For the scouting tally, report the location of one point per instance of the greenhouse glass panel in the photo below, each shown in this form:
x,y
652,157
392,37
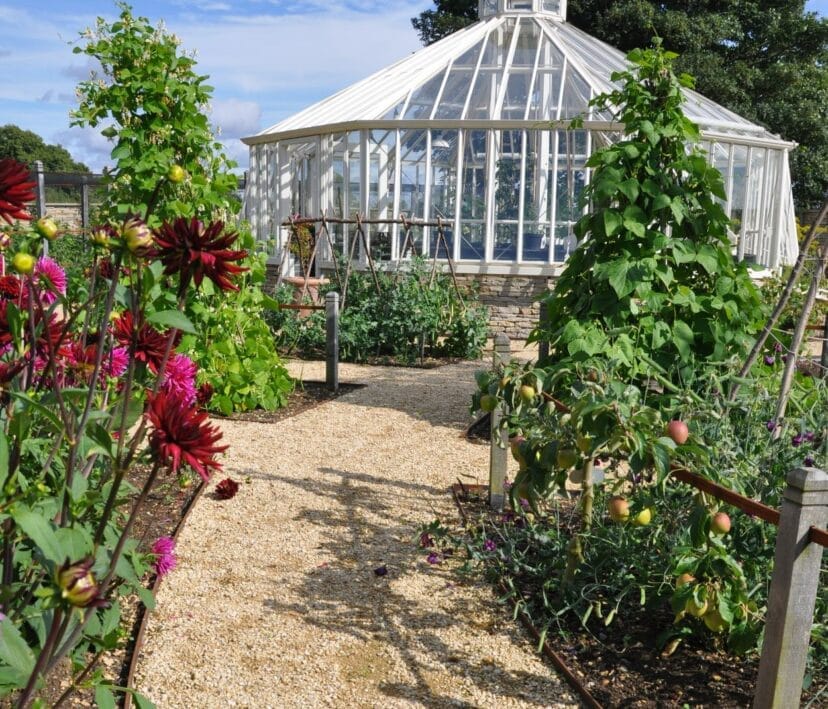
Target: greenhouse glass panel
x,y
422,100
508,147
338,182
473,196
535,193
751,223
413,146
382,149
444,145
576,95
526,49
456,90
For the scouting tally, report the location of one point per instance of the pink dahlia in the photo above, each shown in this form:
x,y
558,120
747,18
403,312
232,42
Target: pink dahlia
x,y
165,559
50,279
179,378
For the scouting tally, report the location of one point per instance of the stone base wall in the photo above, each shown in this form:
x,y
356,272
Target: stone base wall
x,y
512,300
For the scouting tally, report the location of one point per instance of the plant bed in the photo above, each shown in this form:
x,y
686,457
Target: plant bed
x,y
619,664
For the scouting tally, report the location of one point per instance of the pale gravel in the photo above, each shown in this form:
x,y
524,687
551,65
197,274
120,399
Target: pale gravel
x,y
275,602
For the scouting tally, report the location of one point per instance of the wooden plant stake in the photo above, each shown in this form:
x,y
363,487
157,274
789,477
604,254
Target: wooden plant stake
x,y
796,272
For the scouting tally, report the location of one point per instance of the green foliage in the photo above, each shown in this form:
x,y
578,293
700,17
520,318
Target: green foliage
x,y
447,17
764,60
152,104
653,271
413,317
235,350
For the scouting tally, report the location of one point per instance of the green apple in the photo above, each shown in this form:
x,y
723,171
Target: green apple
x,y
23,263
488,402
642,519
47,228
566,458
176,174
527,394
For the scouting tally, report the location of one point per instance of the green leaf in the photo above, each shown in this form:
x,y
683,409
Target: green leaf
x,y
683,338
708,259
612,222
104,697
630,189
635,220
142,702
617,277
14,650
40,531
172,318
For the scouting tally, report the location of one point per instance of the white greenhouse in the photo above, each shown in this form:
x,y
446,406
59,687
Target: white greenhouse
x,y
473,132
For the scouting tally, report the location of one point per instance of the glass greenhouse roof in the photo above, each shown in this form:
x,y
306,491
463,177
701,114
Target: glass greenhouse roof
x,y
516,65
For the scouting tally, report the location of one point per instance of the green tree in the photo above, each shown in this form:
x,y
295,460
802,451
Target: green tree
x,y
26,146
447,17
764,59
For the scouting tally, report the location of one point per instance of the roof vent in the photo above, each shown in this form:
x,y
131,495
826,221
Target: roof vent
x,y
490,8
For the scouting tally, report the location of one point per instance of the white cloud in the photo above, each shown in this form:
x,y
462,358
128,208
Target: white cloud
x,y
86,145
235,118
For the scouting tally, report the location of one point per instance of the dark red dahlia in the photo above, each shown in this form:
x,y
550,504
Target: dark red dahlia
x,y
190,249
181,435
227,489
204,394
10,287
15,190
150,344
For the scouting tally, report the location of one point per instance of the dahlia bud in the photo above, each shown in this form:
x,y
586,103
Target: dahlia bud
x,y
5,240
136,234
101,236
77,584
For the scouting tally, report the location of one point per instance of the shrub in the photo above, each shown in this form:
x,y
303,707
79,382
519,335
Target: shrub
x,y
412,318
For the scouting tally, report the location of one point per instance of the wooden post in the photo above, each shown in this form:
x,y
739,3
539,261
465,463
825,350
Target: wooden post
x,y
498,454
793,590
85,208
543,323
41,198
824,359
332,341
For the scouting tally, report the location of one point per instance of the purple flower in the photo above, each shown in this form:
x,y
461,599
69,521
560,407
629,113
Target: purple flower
x,y
165,559
796,441
381,570
770,360
524,503
810,436
434,558
771,425
777,347
426,540
179,378
808,462
489,545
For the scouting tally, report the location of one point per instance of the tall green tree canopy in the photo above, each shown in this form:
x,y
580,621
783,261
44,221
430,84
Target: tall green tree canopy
x,y
26,146
767,60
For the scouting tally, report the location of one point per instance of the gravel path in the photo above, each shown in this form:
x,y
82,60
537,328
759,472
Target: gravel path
x,y
275,602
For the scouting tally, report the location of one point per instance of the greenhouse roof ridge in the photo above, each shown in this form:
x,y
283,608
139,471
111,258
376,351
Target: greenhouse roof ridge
x,y
555,8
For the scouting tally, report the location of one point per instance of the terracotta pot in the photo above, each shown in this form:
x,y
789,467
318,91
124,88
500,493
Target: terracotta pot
x,y
311,291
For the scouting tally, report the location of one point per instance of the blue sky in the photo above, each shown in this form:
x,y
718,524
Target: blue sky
x,y
267,59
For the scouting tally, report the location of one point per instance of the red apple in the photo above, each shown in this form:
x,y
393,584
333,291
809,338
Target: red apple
x,y
678,431
619,509
720,524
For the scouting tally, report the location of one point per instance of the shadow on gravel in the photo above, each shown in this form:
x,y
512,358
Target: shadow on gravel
x,y
398,647
414,392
